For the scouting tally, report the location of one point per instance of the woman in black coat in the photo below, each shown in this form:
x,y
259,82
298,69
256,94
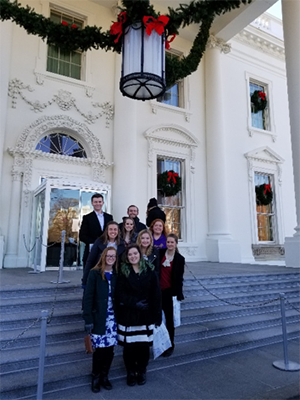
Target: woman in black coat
x,y
99,316
171,282
138,310
110,238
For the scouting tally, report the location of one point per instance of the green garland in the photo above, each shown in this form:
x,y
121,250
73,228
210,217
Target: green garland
x,y
259,100
264,194
201,12
169,183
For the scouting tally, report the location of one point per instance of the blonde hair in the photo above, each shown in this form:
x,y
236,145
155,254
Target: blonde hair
x,y
139,243
100,266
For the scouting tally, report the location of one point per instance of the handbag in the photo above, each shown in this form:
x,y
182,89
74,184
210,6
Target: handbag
x,y
88,344
176,312
161,340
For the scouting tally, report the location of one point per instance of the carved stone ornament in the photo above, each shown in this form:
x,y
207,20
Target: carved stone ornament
x,y
214,42
63,99
24,151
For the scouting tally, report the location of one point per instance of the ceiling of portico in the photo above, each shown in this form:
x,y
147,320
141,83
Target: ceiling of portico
x,y
224,27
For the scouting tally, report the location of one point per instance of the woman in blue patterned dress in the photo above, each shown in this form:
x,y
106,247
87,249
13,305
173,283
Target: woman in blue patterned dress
x,y
99,316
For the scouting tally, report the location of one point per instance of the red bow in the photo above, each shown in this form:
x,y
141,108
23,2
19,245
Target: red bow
x,y
170,41
65,23
157,24
267,189
262,95
117,27
173,176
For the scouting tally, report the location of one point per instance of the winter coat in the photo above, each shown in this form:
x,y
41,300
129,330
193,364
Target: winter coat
x,y
139,226
96,299
176,273
155,213
134,288
95,255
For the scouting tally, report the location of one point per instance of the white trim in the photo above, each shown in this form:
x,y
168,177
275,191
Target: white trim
x,y
265,160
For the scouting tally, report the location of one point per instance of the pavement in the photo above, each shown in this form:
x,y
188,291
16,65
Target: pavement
x,y
246,375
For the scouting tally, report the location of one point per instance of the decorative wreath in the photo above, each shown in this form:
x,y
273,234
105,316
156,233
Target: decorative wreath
x,y
259,100
264,194
70,37
169,182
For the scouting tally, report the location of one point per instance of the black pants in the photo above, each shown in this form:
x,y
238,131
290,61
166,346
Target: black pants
x,y
136,357
102,359
167,307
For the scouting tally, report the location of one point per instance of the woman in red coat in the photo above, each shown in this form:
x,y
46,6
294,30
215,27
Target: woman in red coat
x,y
171,282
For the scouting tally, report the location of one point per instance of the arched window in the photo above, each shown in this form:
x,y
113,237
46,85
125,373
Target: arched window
x,y
61,144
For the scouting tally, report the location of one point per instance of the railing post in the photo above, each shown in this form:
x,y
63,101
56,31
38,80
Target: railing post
x,y
40,384
35,270
61,260
285,365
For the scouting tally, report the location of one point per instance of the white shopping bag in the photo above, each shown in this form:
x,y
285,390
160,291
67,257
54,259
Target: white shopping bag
x,y
176,312
161,340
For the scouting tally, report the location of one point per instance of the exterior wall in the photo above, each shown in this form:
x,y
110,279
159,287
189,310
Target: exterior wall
x,y
122,151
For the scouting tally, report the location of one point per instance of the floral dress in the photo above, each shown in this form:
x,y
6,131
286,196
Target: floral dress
x,y
110,337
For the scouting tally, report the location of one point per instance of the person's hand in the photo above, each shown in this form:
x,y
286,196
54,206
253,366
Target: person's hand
x,y
88,328
142,305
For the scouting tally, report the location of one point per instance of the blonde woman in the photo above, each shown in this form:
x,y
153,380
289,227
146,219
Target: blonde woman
x,y
99,316
145,243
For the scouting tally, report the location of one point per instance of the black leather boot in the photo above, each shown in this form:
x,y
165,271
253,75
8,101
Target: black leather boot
x,y
95,383
104,381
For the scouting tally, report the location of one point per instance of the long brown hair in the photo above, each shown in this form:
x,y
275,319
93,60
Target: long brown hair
x,y
100,266
132,232
104,237
138,241
175,237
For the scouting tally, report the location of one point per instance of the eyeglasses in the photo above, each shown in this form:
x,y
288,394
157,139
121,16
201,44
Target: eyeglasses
x,y
109,256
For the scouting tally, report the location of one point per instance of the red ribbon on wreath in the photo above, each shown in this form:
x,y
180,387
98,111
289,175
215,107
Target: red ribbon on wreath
x,y
157,24
262,95
267,189
173,176
65,23
170,41
117,27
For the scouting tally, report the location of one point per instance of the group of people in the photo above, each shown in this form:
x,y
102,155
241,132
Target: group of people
x,y
130,276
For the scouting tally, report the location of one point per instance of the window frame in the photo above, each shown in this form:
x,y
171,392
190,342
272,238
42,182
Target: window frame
x,y
180,83
180,207
64,15
265,161
268,85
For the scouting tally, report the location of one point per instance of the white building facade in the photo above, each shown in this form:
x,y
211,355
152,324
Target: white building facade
x,y
67,132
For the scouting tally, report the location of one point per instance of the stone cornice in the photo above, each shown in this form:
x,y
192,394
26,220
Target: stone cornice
x,y
261,42
215,42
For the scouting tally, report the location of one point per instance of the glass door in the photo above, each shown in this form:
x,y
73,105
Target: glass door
x,y
63,216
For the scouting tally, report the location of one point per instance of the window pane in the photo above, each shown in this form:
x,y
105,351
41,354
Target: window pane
x,y
259,119
61,144
172,205
265,213
64,59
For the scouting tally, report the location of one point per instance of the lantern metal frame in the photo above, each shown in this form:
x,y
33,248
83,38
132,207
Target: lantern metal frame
x,y
143,85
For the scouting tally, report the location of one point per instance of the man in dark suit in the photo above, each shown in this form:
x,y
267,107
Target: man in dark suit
x,y
93,224
133,212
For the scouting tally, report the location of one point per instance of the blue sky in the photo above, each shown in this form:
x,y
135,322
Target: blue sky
x,y
276,9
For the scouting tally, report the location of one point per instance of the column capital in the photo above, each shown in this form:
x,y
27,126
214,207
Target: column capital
x,y
217,43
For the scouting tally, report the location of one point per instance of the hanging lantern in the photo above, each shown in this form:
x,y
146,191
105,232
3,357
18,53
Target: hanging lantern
x,y
143,63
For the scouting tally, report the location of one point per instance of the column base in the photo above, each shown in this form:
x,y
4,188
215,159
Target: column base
x,y
13,261
223,250
292,251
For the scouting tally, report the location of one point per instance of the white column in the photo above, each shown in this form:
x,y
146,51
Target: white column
x,y
291,29
220,246
11,257
5,57
125,154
